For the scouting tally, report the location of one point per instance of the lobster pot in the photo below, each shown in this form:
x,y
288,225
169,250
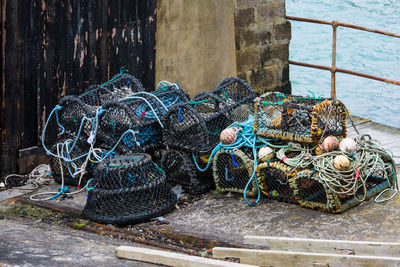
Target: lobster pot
x,y
298,119
196,126
142,114
128,189
180,169
232,170
313,192
68,168
117,88
273,179
71,115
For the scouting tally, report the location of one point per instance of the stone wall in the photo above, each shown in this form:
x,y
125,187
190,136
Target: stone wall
x,y
262,37
200,42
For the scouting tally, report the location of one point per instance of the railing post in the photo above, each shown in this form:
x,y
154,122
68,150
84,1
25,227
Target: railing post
x,y
333,68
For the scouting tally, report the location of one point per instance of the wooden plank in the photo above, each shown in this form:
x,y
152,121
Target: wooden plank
x,y
325,246
169,258
288,258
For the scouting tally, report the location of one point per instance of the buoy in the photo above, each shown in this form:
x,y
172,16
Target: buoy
x,y
347,145
229,135
330,143
265,153
341,162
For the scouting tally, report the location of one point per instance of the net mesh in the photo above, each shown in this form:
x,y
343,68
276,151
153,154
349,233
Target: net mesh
x,y
313,189
298,119
180,169
142,114
232,170
273,179
196,126
69,168
128,189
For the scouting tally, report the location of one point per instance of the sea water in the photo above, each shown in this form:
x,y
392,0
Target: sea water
x,y
356,50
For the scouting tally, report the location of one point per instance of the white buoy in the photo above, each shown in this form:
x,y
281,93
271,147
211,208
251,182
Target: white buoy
x,y
265,153
347,145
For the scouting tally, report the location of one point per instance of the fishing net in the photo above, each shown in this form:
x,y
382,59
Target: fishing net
x,y
128,189
324,188
180,169
298,119
196,126
232,170
273,179
61,168
141,114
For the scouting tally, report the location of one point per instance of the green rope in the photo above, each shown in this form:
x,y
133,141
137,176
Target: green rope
x,y
121,71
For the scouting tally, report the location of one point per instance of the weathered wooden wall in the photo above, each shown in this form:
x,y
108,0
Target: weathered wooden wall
x,y
51,48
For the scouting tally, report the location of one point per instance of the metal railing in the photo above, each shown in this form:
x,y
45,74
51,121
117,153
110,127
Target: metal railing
x,y
333,69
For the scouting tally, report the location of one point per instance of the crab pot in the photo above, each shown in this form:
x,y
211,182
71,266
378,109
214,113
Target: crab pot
x,y
312,192
298,119
137,113
196,126
128,189
232,170
70,116
180,169
273,179
58,165
120,87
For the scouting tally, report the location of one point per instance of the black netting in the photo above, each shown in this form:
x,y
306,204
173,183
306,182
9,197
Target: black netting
x,y
196,126
114,122
71,115
232,170
115,89
273,179
141,113
128,189
180,169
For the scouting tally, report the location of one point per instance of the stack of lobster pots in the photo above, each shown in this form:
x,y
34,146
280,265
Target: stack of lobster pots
x,y
301,154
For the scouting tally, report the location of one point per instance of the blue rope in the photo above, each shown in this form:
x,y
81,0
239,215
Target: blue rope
x,y
62,191
233,159
180,117
226,175
247,138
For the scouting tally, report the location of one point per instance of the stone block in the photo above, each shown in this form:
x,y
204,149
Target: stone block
x,y
263,78
247,60
283,31
280,51
285,72
268,13
251,3
244,17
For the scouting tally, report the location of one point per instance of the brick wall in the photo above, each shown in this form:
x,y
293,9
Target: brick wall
x,y
262,37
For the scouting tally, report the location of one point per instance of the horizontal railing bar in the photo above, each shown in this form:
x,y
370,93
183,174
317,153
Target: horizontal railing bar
x,y
309,20
348,25
315,66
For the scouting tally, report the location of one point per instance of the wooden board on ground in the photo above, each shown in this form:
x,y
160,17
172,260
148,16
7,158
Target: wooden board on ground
x,y
169,258
326,246
288,258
